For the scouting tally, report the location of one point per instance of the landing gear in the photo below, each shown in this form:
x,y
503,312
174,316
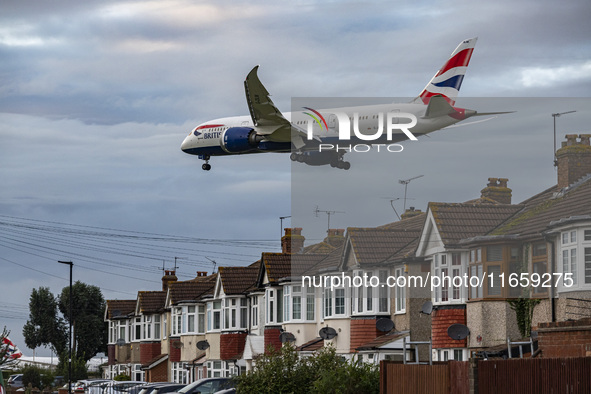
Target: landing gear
x,y
206,166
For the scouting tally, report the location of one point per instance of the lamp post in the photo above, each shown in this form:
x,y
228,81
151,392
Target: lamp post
x,y
70,335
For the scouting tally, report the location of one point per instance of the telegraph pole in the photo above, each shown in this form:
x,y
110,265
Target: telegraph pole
x,y
70,336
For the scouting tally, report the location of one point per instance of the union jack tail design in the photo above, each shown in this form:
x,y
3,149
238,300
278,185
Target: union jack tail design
x,y
8,350
448,79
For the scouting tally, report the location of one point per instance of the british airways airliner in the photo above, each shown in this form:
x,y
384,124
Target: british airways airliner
x,y
305,133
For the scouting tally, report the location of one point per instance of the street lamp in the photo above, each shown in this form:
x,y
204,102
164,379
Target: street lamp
x,y
557,115
70,336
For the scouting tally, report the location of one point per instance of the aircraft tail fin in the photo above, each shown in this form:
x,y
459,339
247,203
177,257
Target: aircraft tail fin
x,y
448,79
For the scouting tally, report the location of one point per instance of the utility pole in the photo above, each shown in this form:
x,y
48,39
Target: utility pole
x,y
70,336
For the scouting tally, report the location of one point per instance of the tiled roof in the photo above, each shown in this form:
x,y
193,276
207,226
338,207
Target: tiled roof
x,y
154,362
151,301
329,263
412,223
550,205
284,265
191,290
382,340
375,245
312,345
237,280
120,308
457,221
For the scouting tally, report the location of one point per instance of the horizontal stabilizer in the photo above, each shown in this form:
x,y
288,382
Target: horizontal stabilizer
x,y
437,107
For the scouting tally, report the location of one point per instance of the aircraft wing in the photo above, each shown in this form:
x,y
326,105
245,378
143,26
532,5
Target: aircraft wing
x,y
266,117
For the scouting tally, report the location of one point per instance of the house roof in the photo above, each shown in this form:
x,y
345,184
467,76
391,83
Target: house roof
x,y
375,245
191,290
312,345
550,205
382,340
330,262
457,221
154,362
238,280
151,301
120,308
280,266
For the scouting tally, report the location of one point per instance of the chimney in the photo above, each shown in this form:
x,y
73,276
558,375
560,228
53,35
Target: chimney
x,y
336,237
169,277
201,273
410,212
573,159
292,241
497,190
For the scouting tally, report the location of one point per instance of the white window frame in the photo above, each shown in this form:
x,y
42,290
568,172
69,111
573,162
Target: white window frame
x,y
274,306
446,265
369,300
235,313
254,308
400,293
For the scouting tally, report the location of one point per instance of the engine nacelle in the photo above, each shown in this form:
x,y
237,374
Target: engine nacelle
x,y
239,140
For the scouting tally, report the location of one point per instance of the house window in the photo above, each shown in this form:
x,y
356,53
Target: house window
x,y
476,271
215,369
400,293
255,311
164,326
176,317
310,303
214,315
335,302
274,308
370,299
587,264
137,325
587,236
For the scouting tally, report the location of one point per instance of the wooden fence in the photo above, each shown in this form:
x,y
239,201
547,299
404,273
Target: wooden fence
x,y
523,376
535,375
439,378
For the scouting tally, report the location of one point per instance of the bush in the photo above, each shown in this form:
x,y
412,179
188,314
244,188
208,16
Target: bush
x,y
121,377
79,370
32,374
284,371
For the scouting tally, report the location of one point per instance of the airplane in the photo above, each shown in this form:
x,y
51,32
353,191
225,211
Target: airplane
x,y
304,133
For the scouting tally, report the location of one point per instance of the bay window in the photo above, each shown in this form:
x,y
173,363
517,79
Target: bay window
x,y
370,292
214,315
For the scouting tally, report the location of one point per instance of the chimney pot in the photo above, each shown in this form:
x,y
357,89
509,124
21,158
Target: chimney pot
x,y
497,190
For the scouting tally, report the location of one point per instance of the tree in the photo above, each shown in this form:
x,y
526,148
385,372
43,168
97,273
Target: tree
x,y
90,330
283,371
44,327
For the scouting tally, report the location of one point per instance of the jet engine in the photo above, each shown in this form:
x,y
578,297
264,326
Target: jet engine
x,y
240,140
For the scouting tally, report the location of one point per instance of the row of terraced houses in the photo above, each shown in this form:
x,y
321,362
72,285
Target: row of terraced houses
x,y
217,325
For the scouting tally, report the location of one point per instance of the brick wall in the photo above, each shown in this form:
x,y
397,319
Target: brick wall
x,y
272,338
565,338
363,330
441,319
149,351
232,345
158,374
174,351
111,354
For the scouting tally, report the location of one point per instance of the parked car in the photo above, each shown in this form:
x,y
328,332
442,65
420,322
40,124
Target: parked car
x,y
84,383
166,388
15,381
207,386
98,386
227,391
121,387
145,388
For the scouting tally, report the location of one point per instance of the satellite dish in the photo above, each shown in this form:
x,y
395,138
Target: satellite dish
x,y
458,331
327,333
286,337
427,308
177,344
120,342
384,324
202,345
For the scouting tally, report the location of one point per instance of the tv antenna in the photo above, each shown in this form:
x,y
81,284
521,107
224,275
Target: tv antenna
x,y
558,115
328,213
281,218
405,182
214,264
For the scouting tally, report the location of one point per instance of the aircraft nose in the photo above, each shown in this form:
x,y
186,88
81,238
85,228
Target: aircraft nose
x,y
186,144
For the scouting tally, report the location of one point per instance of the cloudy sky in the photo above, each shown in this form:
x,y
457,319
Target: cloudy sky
x,y
96,97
